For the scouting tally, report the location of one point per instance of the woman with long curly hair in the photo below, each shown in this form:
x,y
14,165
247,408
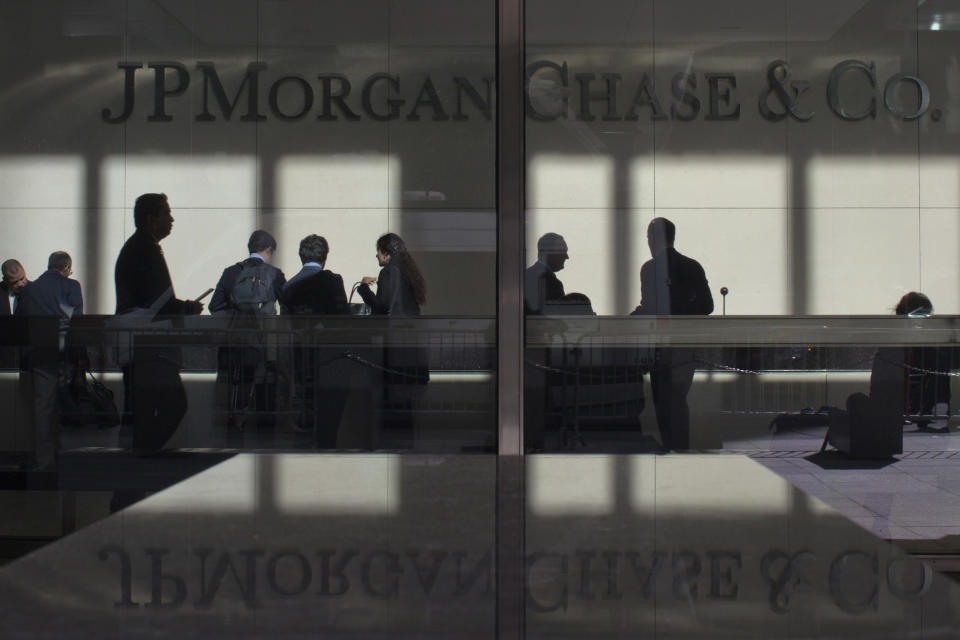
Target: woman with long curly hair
x,y
401,289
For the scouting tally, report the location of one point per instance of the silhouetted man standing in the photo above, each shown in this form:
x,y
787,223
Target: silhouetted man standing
x,y
322,376
541,285
314,290
154,398
672,284
49,301
247,291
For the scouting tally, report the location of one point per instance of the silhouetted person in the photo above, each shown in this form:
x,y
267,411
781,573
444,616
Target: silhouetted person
x,y
154,397
672,284
321,376
541,285
401,289
260,282
925,390
314,290
14,278
49,301
872,425
247,291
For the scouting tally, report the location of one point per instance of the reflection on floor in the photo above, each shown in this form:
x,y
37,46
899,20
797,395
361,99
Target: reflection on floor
x,y
915,496
385,545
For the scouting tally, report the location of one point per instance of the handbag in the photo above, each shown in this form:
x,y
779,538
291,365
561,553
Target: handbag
x,y
84,403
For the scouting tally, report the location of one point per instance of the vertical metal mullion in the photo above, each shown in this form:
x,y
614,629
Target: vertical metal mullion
x,y
510,202
510,245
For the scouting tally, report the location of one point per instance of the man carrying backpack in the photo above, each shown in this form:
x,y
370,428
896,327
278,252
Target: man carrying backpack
x,y
246,292
253,285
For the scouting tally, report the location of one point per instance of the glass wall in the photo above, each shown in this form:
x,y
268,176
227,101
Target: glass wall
x,y
345,120
713,161
263,418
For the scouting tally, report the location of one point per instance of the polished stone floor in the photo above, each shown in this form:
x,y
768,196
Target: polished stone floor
x,y
915,496
409,546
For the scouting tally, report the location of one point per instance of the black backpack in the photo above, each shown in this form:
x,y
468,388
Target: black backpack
x,y
252,292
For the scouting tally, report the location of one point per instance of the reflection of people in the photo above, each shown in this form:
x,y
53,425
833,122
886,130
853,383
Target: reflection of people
x,y
154,398
541,285
52,295
314,290
672,284
323,379
914,304
401,289
247,290
14,277
928,393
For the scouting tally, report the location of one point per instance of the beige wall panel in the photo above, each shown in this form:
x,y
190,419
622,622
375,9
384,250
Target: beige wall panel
x,y
569,181
337,181
883,181
939,258
861,261
202,244
42,181
939,176
707,179
192,181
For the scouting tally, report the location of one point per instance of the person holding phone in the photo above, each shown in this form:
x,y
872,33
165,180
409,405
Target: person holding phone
x,y
401,289
154,399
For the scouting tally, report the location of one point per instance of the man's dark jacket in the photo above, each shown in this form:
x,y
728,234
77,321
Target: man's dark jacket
x,y
142,277
314,291
52,294
673,284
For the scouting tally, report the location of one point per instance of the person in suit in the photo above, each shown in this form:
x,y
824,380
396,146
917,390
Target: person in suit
x,y
141,275
54,293
322,377
541,285
14,278
154,397
672,284
261,246
314,290
246,291
49,301
401,289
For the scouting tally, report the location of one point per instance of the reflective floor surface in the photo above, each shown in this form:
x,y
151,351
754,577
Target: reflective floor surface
x,y
383,545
